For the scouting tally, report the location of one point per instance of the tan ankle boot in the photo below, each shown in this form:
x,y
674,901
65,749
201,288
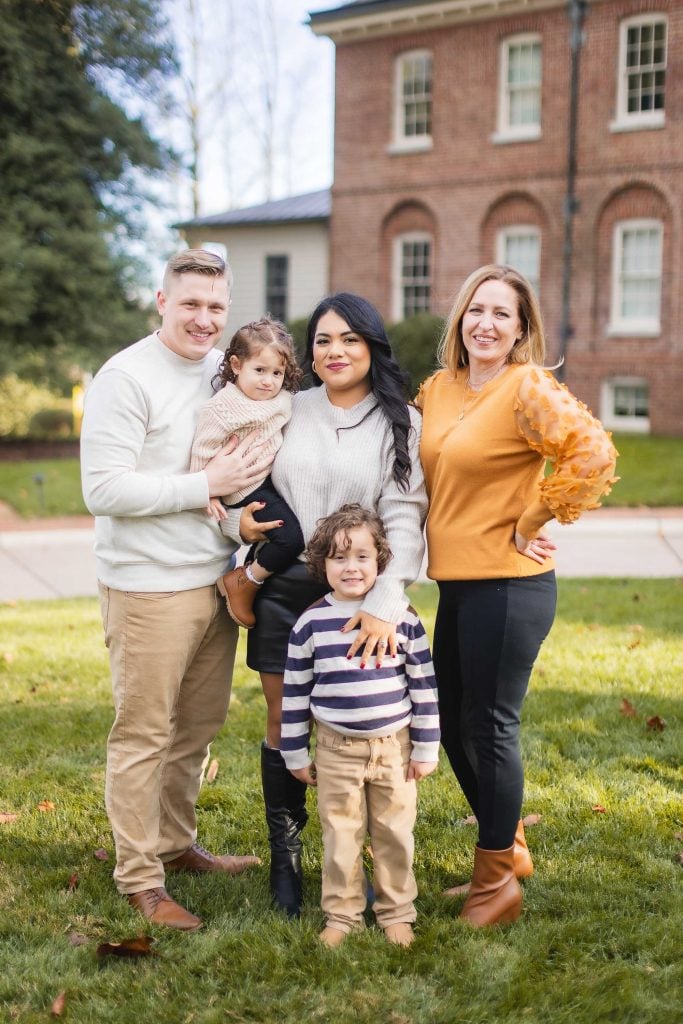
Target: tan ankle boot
x,y
524,866
495,896
239,593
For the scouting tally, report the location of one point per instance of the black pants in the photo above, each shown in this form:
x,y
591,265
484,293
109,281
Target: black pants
x,y
486,639
286,542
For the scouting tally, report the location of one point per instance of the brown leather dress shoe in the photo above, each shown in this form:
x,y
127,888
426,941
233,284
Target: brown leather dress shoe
x,y
199,860
158,907
239,593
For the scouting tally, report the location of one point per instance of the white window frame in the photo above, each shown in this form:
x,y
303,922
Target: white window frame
x,y
397,306
608,416
640,327
401,142
642,119
519,230
507,132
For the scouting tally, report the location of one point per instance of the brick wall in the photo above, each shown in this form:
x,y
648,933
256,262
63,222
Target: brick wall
x,y
468,186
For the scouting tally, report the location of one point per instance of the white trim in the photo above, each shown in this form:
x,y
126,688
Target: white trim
x,y
402,143
608,416
397,308
637,327
410,18
519,230
505,131
642,119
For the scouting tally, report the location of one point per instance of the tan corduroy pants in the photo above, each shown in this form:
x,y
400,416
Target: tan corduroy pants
x,y
171,657
362,788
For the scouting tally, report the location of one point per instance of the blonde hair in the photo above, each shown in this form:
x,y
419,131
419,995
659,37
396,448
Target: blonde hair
x,y
530,348
197,261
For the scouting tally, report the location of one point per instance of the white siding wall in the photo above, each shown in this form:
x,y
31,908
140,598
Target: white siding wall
x,y
306,245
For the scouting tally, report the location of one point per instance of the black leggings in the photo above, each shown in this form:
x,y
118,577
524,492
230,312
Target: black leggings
x,y
487,636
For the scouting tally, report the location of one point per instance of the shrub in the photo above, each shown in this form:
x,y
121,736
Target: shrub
x,y
21,401
415,342
56,421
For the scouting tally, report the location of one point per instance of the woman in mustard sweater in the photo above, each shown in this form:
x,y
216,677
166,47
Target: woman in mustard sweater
x,y
491,417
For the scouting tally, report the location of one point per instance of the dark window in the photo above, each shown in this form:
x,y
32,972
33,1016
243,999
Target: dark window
x,y
277,286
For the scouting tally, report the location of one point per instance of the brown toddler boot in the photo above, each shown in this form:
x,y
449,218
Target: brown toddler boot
x,y
239,593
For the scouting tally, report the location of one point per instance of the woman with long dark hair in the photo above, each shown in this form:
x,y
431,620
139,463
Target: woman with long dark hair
x,y
351,438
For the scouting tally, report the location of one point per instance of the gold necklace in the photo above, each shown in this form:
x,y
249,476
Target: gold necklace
x,y
475,390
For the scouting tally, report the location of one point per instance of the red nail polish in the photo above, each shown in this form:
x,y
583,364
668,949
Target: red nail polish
x,y
348,657
362,664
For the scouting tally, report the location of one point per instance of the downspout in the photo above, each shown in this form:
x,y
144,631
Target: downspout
x,y
576,11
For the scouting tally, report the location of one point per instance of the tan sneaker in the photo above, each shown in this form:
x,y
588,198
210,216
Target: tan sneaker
x,y
332,937
239,593
197,860
400,934
158,907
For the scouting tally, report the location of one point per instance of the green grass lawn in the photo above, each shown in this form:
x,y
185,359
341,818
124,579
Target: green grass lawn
x,y
650,468
599,939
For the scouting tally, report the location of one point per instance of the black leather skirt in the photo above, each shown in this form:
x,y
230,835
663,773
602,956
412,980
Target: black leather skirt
x,y
280,602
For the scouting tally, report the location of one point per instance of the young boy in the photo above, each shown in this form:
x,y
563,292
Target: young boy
x,y
377,731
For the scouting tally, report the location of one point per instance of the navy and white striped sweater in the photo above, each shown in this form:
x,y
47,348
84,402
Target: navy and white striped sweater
x,y
321,682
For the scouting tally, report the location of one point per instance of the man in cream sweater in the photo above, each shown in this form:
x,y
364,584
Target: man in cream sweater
x,y
171,643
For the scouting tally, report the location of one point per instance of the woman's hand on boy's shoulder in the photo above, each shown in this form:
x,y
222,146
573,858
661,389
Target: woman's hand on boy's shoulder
x,y
421,769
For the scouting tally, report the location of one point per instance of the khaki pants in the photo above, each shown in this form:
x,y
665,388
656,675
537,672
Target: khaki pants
x,y
171,657
362,788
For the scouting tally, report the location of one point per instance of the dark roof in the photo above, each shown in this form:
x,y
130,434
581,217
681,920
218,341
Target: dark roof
x,y
310,206
357,7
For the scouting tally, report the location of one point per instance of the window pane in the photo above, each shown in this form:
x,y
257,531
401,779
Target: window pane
x,y
631,400
416,75
522,250
524,83
640,273
277,286
416,285
645,67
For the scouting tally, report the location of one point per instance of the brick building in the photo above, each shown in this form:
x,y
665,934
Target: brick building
x,y
451,150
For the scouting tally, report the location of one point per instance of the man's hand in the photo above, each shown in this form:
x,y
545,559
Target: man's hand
x,y
421,769
306,775
375,633
217,510
237,467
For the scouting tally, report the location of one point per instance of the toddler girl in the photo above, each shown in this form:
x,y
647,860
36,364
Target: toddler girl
x,y
259,375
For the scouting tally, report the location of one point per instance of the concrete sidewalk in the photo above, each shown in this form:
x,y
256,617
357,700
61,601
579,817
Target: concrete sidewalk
x,y
43,559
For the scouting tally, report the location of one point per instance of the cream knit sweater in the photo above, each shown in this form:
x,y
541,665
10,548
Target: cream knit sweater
x,y
230,412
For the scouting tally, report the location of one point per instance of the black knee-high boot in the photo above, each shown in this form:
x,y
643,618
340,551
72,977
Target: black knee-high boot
x,y
285,800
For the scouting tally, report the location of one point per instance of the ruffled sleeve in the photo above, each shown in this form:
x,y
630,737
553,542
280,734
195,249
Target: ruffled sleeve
x,y
560,427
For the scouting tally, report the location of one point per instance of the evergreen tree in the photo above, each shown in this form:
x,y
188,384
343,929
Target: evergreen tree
x,y
71,167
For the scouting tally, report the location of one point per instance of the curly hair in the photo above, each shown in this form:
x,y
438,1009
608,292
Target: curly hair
x,y
248,341
324,542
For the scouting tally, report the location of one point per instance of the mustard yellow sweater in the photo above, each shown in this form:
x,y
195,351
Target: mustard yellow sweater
x,y
483,455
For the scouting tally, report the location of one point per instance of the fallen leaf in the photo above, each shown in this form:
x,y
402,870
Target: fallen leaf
x,y
6,817
77,939
679,859
59,1005
634,643
599,809
636,628
73,881
627,709
678,836
213,771
531,819
469,820
656,723
46,805
139,946
101,854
